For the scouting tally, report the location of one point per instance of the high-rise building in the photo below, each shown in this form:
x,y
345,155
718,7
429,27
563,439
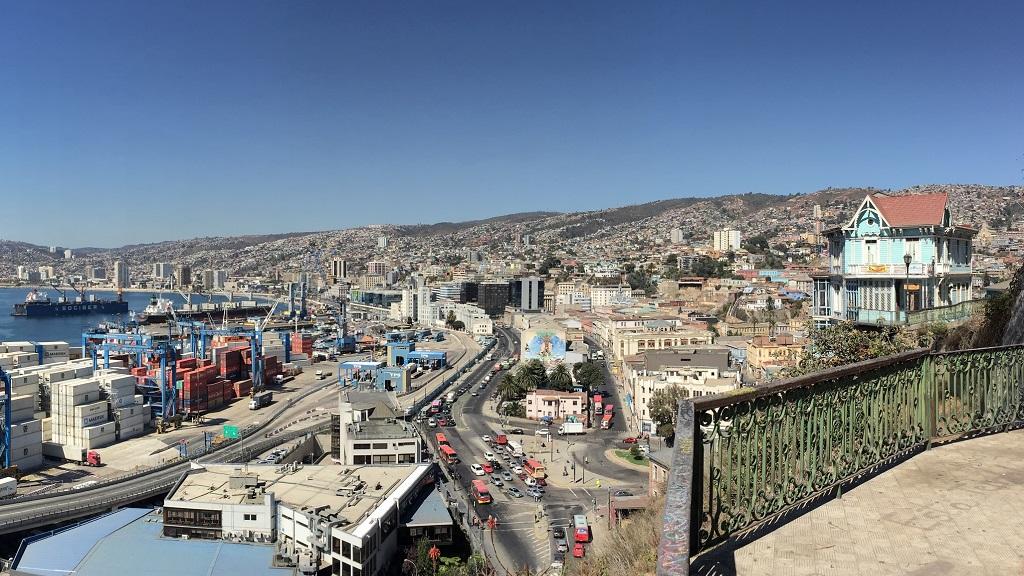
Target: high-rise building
x,y
22,272
676,236
382,242
69,254
527,294
339,269
122,277
183,275
220,279
208,279
162,270
726,240
98,273
376,268
493,297
46,273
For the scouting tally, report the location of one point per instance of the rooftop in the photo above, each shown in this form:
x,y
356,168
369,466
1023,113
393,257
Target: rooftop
x,y
350,492
381,429
129,541
912,209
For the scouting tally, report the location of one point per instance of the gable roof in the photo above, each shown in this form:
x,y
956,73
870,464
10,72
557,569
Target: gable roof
x,y
911,209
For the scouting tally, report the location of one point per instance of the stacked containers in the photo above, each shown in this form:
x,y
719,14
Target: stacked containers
x,y
242,388
214,395
302,344
79,418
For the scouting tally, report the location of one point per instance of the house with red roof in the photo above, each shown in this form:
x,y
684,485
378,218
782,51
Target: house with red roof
x,y
900,260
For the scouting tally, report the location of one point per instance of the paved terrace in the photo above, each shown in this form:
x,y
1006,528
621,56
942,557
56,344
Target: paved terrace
x,y
954,509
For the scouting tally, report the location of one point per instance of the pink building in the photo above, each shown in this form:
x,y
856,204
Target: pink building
x,y
557,405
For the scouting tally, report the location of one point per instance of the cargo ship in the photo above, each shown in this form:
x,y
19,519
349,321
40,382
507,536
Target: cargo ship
x,y
38,305
160,310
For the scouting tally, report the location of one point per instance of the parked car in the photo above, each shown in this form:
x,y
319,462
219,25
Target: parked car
x,y
629,440
516,431
562,546
578,551
557,561
622,493
541,482
535,493
477,469
514,492
542,432
558,532
442,421
475,394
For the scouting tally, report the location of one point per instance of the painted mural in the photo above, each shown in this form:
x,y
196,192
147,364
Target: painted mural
x,y
544,345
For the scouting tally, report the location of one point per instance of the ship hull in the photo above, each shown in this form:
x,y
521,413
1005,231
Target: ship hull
x,y
203,314
47,310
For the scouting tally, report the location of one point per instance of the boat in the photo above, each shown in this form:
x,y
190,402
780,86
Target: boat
x,y
39,305
161,310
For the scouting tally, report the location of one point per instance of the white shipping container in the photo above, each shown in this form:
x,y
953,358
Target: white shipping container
x,y
8,487
22,401
99,441
28,463
96,431
90,409
28,445
27,427
92,420
25,380
132,432
131,421
18,416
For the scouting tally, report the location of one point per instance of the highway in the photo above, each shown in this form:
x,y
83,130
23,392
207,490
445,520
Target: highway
x,y
30,512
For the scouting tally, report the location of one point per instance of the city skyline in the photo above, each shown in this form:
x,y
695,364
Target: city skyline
x,y
269,118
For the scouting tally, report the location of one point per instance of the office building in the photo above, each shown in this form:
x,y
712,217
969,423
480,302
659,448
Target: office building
x,y
339,270
183,275
162,270
97,273
376,268
493,297
527,294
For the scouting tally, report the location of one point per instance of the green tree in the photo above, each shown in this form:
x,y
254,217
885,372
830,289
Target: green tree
x,y
532,375
843,344
514,409
458,325
560,377
449,319
664,406
509,387
589,375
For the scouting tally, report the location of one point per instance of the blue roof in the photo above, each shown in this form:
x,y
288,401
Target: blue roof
x,y
130,541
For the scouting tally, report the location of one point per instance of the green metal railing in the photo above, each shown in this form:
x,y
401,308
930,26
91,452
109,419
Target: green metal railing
x,y
948,314
751,457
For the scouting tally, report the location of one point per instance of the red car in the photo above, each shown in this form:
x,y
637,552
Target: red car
x,y
629,440
578,551
541,482
442,422
488,468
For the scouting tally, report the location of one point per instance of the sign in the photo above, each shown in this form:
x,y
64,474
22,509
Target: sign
x,y
230,431
878,268
916,268
645,427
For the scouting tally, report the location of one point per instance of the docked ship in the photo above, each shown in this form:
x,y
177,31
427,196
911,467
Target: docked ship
x,y
39,305
161,310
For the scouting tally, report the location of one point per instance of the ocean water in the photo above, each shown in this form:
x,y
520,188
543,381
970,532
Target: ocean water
x,y
68,328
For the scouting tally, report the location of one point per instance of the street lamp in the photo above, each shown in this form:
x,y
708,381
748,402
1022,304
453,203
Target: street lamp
x,y
907,258
586,461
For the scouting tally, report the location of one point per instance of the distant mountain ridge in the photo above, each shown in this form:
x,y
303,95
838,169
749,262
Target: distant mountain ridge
x,y
752,213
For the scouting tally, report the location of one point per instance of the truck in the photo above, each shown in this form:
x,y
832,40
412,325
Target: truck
x,y
570,428
500,439
450,398
260,400
8,487
74,454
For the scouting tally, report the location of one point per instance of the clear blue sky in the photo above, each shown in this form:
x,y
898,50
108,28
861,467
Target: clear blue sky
x,y
125,122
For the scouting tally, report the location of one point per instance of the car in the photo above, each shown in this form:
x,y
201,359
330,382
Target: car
x,y
523,476
514,492
622,493
506,476
562,546
488,467
629,440
486,438
483,385
477,469
541,482
558,532
496,464
496,481
517,469
475,394
516,431
557,561
535,492
530,481
489,456
442,421
578,551
542,432
431,422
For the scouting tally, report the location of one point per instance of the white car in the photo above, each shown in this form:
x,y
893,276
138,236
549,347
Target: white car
x,y
431,422
486,438
490,457
517,470
530,481
543,432
477,469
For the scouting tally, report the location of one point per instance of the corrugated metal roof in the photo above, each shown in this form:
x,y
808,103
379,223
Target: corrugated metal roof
x,y
130,541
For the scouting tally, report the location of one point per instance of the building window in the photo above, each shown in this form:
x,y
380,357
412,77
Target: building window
x,y
380,445
336,545
914,249
249,517
361,446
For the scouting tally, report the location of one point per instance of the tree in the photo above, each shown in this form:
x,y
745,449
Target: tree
x,y
514,409
560,378
843,344
531,375
509,388
450,319
664,406
458,325
589,375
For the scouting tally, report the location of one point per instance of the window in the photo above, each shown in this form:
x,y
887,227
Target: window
x,y
361,446
336,545
25,453
249,517
357,459
380,445
871,251
914,249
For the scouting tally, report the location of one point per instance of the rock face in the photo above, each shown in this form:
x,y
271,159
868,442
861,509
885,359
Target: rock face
x,y
1014,333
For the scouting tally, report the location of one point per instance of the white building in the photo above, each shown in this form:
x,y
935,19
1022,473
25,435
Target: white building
x,y
46,273
382,242
676,236
726,240
122,277
605,296
69,254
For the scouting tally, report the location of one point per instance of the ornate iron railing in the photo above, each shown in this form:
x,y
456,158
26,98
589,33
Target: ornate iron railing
x,y
950,314
744,459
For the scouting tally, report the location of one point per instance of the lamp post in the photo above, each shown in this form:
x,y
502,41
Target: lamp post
x,y
906,293
586,461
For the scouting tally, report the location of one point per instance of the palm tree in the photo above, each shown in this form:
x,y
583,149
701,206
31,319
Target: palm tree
x,y
532,375
560,377
509,387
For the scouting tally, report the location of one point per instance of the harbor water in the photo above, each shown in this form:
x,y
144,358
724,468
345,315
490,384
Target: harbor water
x,y
69,328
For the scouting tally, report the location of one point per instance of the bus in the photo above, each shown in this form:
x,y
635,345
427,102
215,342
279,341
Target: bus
x,y
609,408
514,448
597,405
534,469
448,455
580,528
480,492
441,438
435,407
606,422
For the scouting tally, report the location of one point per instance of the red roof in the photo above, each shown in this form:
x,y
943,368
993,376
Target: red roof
x,y
911,209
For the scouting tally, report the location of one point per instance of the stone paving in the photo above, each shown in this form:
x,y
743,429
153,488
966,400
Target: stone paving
x,y
955,509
